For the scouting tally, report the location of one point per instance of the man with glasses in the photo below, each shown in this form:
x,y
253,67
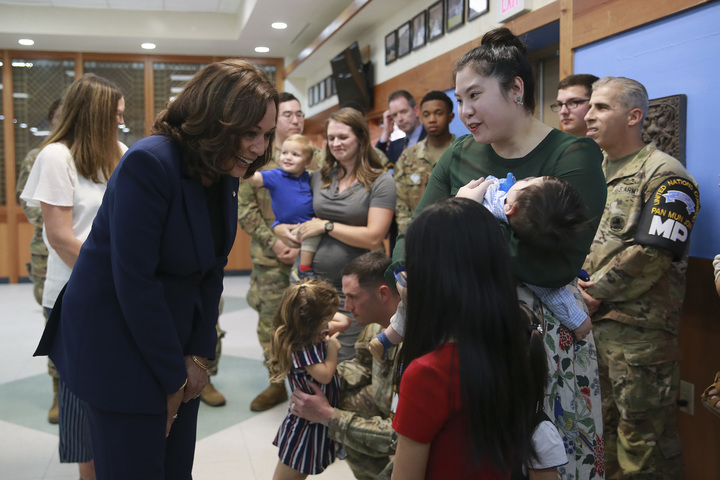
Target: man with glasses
x,y
270,254
572,103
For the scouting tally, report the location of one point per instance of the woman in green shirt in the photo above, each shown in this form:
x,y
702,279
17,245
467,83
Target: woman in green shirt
x,y
495,93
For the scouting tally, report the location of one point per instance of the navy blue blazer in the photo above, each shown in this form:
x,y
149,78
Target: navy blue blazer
x,y
145,289
393,149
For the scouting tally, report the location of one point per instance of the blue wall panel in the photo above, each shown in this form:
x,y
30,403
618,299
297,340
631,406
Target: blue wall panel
x,y
679,54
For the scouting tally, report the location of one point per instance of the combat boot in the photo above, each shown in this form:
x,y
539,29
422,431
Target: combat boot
x,y
270,397
211,396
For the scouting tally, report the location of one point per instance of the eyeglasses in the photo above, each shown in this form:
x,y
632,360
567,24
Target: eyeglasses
x,y
570,104
289,115
401,277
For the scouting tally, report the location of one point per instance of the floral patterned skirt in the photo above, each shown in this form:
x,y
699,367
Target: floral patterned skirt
x,y
572,394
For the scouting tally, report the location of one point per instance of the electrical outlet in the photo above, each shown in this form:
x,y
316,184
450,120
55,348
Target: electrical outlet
x,y
687,397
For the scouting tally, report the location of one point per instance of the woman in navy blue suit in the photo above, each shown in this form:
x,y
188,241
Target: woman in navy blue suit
x,y
133,330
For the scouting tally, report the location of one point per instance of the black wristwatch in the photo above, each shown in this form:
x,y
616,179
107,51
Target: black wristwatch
x,y
329,227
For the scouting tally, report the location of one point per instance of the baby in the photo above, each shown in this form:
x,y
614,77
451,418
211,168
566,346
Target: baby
x,y
291,195
545,213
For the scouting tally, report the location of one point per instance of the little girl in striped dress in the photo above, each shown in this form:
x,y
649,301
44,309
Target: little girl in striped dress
x,y
303,351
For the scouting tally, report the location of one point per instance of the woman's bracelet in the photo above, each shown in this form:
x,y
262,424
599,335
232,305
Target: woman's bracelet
x,y
183,385
199,363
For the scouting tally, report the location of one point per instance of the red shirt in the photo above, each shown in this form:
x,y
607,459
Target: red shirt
x,y
429,412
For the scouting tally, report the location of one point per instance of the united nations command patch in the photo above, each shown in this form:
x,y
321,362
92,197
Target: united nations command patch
x,y
668,217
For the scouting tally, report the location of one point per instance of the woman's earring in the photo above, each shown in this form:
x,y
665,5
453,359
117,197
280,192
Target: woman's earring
x,y
519,101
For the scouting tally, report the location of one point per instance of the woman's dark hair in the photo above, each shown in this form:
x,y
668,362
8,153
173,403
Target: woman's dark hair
x,y
501,54
207,119
538,359
367,163
461,289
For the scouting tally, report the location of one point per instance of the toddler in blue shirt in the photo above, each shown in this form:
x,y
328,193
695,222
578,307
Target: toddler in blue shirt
x,y
290,193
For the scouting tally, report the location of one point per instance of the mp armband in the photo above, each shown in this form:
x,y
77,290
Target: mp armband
x,y
669,215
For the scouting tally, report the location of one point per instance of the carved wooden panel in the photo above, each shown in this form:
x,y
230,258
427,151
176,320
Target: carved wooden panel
x,y
665,124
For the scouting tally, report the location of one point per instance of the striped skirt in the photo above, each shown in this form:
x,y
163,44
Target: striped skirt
x,y
304,445
74,429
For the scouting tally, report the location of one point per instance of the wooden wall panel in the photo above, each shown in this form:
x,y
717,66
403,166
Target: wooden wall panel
x,y
239,257
597,19
699,340
8,235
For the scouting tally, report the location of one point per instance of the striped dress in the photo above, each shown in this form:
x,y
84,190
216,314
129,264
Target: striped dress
x,y
304,445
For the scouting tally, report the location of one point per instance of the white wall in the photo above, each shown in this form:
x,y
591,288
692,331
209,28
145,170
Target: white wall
x,y
371,32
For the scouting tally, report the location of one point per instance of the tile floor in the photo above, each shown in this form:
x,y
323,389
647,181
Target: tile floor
x,y
233,442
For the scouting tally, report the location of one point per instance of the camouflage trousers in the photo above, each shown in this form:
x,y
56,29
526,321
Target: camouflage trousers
x,y
37,270
639,382
213,364
368,463
267,285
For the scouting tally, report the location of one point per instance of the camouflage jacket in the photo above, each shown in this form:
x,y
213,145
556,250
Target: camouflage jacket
x,y
411,177
639,285
363,419
256,216
33,214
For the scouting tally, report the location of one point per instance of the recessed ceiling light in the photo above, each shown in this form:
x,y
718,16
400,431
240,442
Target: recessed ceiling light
x,y
262,49
279,25
148,46
26,41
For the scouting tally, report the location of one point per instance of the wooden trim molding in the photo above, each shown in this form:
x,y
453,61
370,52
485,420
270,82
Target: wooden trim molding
x,y
567,56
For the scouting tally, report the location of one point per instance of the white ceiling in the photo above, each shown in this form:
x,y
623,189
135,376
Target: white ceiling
x,y
177,27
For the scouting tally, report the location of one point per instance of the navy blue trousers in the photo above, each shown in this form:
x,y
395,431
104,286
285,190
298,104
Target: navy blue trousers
x,y
134,445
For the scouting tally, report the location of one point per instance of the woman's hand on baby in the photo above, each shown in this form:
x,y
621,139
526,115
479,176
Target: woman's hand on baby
x,y
311,228
284,232
474,190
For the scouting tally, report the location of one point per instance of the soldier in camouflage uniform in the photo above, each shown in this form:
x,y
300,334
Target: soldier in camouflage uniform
x,y
417,162
637,266
270,254
37,268
209,394
362,422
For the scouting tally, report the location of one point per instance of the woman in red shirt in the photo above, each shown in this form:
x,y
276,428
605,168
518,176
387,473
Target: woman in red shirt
x,y
465,409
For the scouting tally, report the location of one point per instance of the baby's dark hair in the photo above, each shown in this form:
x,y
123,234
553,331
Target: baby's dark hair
x,y
304,308
549,215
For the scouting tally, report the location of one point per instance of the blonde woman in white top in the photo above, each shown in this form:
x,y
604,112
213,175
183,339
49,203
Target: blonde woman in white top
x,y
68,181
